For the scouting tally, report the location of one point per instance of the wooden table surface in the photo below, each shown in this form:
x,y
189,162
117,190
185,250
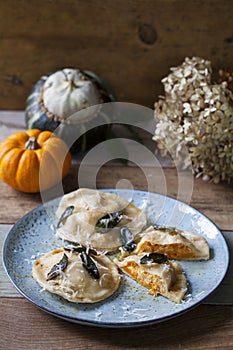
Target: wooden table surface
x,y
208,326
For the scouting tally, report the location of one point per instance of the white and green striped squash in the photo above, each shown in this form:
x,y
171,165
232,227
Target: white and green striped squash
x,y
59,95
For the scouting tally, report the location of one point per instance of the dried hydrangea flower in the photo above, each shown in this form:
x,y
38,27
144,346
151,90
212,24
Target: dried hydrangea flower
x,y
227,76
199,114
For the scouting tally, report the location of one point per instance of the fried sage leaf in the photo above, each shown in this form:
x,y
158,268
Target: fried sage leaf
x,y
109,221
127,239
89,265
80,249
58,268
171,230
67,212
153,258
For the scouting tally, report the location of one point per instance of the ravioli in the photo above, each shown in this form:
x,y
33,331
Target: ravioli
x,y
176,244
166,279
88,207
74,282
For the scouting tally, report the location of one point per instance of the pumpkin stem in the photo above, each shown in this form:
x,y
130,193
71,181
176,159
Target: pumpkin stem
x,y
31,143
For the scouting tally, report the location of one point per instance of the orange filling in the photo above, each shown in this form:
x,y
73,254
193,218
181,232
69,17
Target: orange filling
x,y
173,251
153,282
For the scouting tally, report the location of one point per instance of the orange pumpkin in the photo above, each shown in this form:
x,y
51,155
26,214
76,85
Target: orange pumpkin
x,y
34,160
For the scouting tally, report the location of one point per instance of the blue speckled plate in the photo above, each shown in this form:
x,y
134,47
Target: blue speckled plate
x,y
130,306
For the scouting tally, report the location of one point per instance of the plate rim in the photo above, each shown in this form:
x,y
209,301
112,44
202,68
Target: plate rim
x,y
100,323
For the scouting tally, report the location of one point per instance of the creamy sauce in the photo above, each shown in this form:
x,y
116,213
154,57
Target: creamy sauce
x,y
75,283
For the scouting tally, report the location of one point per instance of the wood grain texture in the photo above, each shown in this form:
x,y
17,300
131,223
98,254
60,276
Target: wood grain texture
x,y
131,43
15,204
6,287
215,201
10,122
205,327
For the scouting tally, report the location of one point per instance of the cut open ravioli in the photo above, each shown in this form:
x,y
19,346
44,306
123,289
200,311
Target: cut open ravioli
x,y
88,207
166,278
176,244
73,282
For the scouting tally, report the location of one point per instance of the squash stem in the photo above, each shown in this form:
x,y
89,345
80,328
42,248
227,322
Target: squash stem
x,y
31,143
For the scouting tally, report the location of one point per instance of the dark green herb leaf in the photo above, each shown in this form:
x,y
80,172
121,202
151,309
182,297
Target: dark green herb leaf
x,y
57,268
127,238
161,228
68,211
153,258
107,222
167,229
90,265
172,231
80,249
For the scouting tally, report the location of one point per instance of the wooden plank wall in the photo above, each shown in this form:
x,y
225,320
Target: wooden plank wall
x,y
132,43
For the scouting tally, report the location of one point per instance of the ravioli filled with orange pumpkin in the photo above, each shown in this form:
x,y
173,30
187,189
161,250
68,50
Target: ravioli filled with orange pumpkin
x,y
93,219
155,272
77,275
176,244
